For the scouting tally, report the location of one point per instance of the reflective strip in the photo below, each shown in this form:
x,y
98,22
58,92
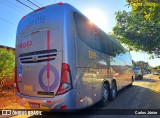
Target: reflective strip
x,y
80,100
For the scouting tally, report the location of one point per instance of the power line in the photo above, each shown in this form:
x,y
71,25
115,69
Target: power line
x,y
37,2
15,4
24,4
8,21
6,3
33,3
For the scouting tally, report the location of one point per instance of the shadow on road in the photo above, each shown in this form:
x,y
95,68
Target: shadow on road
x,y
93,110
146,80
131,98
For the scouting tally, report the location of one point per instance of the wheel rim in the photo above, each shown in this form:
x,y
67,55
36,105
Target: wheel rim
x,y
114,90
114,93
105,93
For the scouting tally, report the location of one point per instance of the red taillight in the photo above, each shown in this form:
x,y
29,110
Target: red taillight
x,y
39,9
60,3
66,83
15,80
49,101
64,107
23,17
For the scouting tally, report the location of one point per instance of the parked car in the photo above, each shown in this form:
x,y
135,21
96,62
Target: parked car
x,y
157,73
147,72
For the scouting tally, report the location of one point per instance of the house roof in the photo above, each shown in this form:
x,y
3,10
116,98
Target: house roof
x,y
7,47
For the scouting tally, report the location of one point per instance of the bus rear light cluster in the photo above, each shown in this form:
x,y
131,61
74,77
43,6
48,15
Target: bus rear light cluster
x,y
66,83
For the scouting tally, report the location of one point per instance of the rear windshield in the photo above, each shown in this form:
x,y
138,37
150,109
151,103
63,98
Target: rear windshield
x,y
136,68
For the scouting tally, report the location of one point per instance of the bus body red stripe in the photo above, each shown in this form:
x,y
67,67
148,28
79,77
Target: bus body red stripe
x,y
48,39
48,63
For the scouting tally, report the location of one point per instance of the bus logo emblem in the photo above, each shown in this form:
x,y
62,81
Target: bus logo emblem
x,y
34,58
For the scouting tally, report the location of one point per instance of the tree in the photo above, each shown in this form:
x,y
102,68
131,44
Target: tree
x,y
143,64
158,67
150,8
137,33
7,63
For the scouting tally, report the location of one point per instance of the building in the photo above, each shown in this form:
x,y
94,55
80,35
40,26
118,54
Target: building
x,y
8,48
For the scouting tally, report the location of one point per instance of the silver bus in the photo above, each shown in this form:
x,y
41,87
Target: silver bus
x,y
65,62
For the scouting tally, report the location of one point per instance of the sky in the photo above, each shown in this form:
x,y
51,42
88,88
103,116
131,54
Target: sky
x,y
101,12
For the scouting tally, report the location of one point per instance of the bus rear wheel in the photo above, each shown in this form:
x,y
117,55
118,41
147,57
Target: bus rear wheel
x,y
105,95
132,80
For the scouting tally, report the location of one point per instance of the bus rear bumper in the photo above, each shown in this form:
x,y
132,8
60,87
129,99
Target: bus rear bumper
x,y
60,102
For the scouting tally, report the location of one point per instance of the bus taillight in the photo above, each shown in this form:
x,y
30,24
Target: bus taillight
x,y
23,17
39,9
60,3
64,107
15,81
66,83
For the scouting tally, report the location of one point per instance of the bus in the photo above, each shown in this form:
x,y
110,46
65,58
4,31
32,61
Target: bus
x,y
138,71
63,61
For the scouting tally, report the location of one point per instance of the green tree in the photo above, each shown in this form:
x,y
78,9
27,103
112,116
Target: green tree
x,y
158,67
7,63
143,64
137,33
150,8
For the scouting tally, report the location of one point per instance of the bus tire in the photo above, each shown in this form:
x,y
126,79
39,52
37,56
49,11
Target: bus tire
x,y
139,77
113,90
131,84
105,95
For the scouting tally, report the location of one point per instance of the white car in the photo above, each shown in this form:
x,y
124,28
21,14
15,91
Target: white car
x,y
157,73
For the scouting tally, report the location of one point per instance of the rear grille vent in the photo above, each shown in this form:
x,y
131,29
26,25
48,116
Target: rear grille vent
x,y
38,56
45,93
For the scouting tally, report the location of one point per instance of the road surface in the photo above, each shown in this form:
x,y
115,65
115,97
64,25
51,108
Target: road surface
x,y
144,94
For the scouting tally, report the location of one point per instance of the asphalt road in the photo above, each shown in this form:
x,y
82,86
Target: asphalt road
x,y
144,94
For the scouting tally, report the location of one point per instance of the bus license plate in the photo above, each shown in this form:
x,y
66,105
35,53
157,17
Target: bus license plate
x,y
34,105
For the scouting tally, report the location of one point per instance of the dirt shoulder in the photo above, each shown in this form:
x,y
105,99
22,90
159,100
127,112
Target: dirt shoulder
x,y
151,82
8,101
